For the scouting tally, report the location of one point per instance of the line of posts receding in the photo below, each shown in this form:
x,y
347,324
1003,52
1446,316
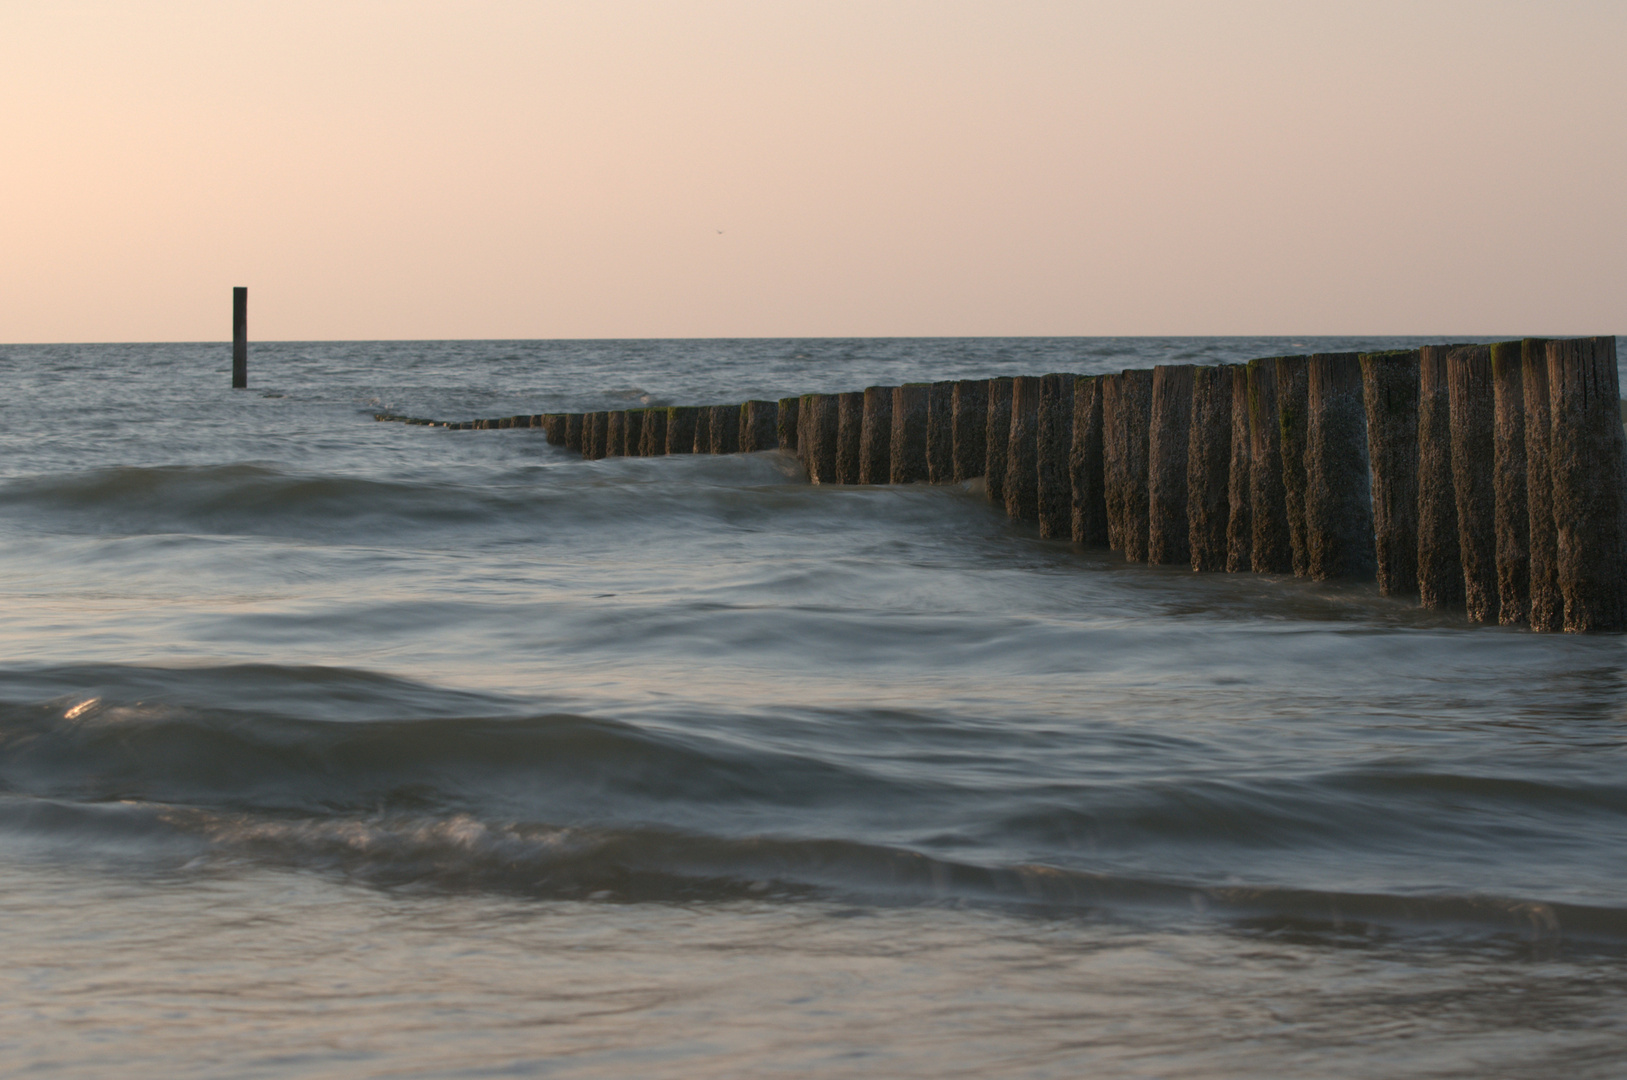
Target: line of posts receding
x,y
1489,479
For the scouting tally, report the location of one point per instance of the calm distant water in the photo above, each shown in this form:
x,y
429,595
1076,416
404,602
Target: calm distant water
x,y
332,748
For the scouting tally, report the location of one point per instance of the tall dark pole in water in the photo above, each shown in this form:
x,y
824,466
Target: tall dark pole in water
x,y
240,338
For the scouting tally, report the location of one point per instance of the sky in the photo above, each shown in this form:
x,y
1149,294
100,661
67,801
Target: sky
x,y
766,168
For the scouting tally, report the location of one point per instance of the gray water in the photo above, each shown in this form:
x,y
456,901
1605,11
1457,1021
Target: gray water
x,y
332,748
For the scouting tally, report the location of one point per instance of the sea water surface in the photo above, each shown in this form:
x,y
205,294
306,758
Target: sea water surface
x,y
335,748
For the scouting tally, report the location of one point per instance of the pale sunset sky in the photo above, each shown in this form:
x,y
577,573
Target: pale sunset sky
x,y
507,169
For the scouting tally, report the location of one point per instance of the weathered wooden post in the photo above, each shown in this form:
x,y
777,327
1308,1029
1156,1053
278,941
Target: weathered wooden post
x,y
240,337
1291,375
807,421
636,419
1390,396
1126,426
1208,467
1338,485
573,432
997,438
876,436
1167,526
595,442
1588,460
825,412
1271,549
1440,571
1239,504
723,423
786,423
703,430
1510,515
971,406
1054,442
553,424
940,432
908,464
1022,451
1470,405
682,420
758,420
615,439
653,441
1547,606
1086,476
849,435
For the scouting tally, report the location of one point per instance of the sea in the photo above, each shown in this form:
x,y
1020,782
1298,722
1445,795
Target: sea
x,y
336,748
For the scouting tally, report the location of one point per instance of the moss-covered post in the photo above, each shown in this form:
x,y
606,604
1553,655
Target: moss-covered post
x,y
1209,467
908,463
876,436
724,425
1087,478
553,426
1588,459
681,423
997,438
574,431
786,423
1510,516
1239,506
1271,550
849,435
1338,483
653,442
1022,450
971,406
1546,610
1167,526
940,432
1291,374
615,442
758,420
1440,571
1390,398
1126,424
1054,490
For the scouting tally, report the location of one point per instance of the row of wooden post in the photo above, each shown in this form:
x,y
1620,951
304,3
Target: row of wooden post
x,y
1489,479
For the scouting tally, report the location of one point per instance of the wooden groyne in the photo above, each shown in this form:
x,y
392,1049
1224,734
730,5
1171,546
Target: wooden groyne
x,y
1490,480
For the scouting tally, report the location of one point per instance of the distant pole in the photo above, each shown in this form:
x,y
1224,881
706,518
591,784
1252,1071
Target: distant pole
x,y
240,338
